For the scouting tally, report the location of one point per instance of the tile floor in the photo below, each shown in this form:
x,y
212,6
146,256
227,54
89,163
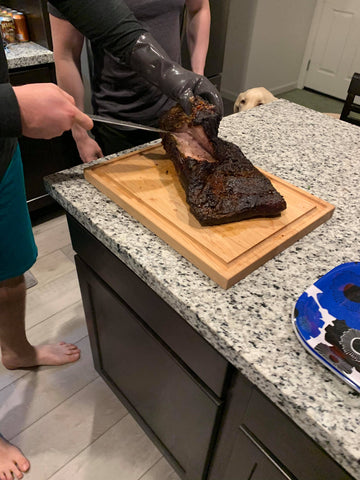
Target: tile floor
x,y
65,419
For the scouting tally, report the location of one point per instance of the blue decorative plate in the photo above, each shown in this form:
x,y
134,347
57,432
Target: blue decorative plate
x,y
326,319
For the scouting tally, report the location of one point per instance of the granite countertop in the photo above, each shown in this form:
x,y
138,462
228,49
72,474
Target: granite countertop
x,y
250,323
27,54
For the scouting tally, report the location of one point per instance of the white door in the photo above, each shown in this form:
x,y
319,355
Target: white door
x,y
335,52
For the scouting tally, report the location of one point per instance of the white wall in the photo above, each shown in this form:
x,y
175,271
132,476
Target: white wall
x,y
265,44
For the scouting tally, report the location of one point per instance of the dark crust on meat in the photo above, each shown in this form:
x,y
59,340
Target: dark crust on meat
x,y
227,190
202,114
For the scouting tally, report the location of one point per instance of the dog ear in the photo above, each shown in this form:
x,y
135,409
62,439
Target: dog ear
x,y
239,101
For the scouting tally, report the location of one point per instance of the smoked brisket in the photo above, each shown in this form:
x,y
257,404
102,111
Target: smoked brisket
x,y
221,184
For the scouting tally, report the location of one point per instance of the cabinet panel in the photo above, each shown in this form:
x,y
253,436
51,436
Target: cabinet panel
x,y
23,76
288,442
277,446
177,410
248,462
184,341
44,157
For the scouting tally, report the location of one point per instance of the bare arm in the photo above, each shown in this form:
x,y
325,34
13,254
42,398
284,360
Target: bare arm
x,y
67,44
198,31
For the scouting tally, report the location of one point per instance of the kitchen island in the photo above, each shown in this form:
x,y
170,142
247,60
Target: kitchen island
x,y
252,374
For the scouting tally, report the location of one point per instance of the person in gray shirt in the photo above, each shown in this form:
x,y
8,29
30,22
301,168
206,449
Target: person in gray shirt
x,y
118,91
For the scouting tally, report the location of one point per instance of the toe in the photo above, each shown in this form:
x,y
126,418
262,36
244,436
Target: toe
x,y
72,347
16,472
71,357
24,465
75,356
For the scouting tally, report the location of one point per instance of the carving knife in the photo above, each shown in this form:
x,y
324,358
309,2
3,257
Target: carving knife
x,y
124,123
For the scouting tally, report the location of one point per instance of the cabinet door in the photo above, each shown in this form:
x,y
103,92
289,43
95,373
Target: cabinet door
x,y
177,412
205,363
257,441
249,462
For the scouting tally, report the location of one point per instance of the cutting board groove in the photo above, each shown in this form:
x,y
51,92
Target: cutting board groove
x,y
146,185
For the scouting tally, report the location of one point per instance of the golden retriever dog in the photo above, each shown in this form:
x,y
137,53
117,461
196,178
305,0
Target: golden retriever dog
x,y
252,98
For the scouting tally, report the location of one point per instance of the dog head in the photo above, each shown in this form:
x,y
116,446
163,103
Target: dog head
x,y
252,98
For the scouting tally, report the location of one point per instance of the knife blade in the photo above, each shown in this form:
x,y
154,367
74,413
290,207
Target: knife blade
x,y
125,123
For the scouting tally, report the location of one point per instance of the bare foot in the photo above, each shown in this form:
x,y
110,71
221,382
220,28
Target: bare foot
x,y
55,354
12,462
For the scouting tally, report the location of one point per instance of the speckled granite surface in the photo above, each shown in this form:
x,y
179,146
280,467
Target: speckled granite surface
x,y
250,324
27,54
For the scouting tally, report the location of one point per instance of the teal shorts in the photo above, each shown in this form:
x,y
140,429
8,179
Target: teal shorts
x,y
18,251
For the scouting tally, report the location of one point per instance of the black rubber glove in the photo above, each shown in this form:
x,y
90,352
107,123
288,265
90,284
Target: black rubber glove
x,y
152,63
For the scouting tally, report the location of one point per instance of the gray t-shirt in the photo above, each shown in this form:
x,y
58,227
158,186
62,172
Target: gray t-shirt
x,y
122,93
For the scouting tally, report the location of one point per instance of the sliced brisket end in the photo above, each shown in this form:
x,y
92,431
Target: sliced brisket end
x,y
221,184
203,114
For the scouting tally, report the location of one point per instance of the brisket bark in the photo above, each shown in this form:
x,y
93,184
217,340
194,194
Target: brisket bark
x,y
221,184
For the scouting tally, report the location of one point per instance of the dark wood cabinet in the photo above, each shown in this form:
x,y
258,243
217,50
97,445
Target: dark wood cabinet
x,y
208,420
166,374
258,441
159,389
249,461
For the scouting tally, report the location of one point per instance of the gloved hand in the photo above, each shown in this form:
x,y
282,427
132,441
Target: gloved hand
x,y
152,63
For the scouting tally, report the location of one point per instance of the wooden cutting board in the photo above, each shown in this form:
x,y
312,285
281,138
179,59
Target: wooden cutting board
x,y
146,185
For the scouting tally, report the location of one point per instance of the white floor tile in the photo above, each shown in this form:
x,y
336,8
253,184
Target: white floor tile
x,y
44,301
9,376
50,224
49,240
27,400
62,434
51,267
68,325
69,252
124,453
161,471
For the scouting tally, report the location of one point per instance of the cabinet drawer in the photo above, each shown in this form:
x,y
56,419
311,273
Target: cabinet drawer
x,y
199,356
178,411
288,443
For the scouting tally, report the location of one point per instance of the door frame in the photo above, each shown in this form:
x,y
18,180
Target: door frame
x,y
310,42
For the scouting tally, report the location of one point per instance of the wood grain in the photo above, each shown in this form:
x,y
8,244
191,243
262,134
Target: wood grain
x,y
146,185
